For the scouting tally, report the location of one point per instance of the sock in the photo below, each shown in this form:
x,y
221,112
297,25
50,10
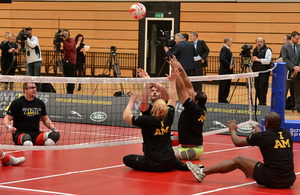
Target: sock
x,y
1,157
6,158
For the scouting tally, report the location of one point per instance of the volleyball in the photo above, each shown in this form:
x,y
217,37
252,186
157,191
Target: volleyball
x,y
138,11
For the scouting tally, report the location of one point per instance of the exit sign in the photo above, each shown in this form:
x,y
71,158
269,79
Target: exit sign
x,y
159,15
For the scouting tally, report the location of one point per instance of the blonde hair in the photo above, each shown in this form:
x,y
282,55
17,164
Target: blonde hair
x,y
160,108
10,35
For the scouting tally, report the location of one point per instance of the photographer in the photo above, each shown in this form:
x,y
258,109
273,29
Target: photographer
x,y
184,52
9,62
69,51
33,55
262,56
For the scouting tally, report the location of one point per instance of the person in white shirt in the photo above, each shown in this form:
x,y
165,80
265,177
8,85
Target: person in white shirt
x,y
33,55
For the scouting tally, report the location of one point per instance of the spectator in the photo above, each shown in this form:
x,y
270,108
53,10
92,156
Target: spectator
x,y
262,56
9,56
80,58
291,55
200,60
69,50
226,67
184,52
33,55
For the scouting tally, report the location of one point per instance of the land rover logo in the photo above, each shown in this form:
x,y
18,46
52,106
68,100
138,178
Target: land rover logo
x,y
98,116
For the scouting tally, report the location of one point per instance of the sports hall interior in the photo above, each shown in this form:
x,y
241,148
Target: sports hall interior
x,y
107,23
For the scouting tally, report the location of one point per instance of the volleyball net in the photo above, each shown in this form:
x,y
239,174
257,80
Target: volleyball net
x,y
93,116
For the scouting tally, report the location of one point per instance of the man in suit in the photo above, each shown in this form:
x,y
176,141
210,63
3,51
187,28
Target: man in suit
x,y
184,52
200,60
262,56
226,67
291,55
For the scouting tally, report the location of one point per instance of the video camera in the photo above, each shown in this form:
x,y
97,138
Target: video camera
x,y
22,37
165,40
58,38
246,54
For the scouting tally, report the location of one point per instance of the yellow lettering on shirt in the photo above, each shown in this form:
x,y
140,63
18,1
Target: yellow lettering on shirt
x,y
30,112
202,117
282,143
162,130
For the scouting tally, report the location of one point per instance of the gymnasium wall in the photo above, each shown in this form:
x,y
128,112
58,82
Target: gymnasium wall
x,y
104,24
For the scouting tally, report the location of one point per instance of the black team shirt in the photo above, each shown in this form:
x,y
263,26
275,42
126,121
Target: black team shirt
x,y
27,114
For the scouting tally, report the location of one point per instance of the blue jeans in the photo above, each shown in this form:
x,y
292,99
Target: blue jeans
x,y
34,69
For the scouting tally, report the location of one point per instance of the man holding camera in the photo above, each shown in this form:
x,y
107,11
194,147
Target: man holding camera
x,y
184,52
262,56
69,50
33,55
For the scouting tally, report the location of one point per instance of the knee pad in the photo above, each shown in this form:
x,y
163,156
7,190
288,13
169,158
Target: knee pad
x,y
26,137
54,136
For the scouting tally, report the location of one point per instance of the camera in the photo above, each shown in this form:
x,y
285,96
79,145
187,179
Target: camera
x,y
58,38
165,40
113,49
246,53
22,37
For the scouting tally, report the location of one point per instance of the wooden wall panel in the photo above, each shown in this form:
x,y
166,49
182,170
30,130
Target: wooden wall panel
x,y
243,22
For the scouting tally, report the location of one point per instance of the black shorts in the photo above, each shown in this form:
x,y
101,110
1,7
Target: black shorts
x,y
33,136
264,176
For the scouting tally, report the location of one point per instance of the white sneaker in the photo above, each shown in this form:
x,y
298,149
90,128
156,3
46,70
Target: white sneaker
x,y
28,143
49,142
14,161
196,170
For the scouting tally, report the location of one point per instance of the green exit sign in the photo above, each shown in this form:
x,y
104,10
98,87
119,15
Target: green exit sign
x,y
159,15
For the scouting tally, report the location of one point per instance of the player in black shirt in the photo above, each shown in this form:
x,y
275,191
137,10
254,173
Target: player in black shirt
x,y
26,112
157,147
190,124
276,146
152,91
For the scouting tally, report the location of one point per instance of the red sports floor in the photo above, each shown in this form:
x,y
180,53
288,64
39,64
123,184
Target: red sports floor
x,y
101,171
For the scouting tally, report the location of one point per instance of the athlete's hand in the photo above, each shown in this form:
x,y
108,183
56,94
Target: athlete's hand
x,y
12,129
232,125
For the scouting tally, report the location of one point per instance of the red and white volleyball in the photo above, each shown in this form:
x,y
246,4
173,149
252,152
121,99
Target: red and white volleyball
x,y
138,11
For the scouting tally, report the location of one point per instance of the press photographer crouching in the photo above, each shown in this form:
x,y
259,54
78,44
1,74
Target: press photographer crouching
x,y
69,51
33,55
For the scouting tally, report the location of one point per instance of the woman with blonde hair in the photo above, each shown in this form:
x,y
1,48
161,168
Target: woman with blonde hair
x,y
157,147
9,55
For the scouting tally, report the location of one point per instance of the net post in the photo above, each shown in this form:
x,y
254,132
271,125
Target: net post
x,y
278,89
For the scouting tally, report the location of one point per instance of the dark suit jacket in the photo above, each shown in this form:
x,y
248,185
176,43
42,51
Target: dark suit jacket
x,y
288,56
225,59
202,50
185,52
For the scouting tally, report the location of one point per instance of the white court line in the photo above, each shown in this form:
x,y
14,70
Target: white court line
x,y
236,148
229,187
33,190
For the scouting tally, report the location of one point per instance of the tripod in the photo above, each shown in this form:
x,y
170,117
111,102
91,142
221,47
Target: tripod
x,y
56,62
245,61
165,62
112,62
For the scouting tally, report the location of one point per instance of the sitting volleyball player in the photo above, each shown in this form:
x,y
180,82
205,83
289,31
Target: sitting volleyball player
x,y
157,145
190,124
26,113
276,147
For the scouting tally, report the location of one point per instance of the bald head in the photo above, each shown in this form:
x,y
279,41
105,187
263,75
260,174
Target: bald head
x,y
272,120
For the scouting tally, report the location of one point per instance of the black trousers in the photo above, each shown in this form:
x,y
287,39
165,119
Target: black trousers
x,y
296,85
142,163
192,72
261,87
224,89
199,72
69,70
